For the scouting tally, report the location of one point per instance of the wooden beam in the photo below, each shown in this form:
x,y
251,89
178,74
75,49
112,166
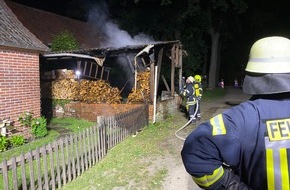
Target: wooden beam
x,y
85,68
180,67
131,64
102,73
172,70
165,82
96,73
143,61
176,56
79,64
91,66
159,62
108,73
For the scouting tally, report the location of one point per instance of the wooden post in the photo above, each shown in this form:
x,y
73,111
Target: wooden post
x,y
131,65
172,69
91,67
5,175
14,173
180,66
79,66
102,72
159,63
23,172
85,68
96,73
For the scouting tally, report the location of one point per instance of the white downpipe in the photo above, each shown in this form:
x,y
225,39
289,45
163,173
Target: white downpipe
x,y
155,94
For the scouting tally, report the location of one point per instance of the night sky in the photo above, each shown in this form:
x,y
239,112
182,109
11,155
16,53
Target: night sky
x,y
57,6
70,8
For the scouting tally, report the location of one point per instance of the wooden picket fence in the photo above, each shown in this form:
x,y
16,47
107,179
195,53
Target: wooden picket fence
x,y
57,163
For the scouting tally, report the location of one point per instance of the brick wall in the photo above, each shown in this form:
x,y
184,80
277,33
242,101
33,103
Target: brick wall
x,y
19,85
90,112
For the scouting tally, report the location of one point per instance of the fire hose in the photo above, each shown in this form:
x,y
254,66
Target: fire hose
x,y
185,125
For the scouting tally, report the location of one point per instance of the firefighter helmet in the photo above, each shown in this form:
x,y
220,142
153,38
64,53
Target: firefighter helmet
x,y
190,79
197,78
268,68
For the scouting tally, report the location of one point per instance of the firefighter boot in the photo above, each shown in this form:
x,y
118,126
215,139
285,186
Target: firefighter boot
x,y
198,116
193,120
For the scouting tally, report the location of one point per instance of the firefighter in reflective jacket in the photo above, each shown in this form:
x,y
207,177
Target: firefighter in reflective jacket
x,y
198,92
188,92
248,145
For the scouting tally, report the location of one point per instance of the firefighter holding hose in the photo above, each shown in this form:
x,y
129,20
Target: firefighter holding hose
x,y
248,145
187,91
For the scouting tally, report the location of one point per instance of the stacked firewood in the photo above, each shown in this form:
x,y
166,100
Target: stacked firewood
x,y
68,88
98,92
142,91
64,89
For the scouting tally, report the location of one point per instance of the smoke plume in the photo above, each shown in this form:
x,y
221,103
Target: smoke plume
x,y
99,15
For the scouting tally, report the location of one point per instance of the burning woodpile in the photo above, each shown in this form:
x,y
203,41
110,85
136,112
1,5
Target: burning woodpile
x,y
65,86
142,91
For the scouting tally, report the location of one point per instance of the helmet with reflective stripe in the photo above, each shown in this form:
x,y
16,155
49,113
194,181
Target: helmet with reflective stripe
x,y
197,78
268,68
270,55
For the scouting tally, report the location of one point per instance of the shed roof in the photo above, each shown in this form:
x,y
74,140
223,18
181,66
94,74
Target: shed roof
x,y
44,25
111,51
14,34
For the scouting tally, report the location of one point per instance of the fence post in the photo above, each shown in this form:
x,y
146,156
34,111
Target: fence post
x,y
23,173
102,135
5,175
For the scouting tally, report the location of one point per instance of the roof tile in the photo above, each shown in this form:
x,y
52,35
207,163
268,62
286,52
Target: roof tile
x,y
14,34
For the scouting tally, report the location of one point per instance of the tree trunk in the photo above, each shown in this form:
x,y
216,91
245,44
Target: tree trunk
x,y
204,69
218,61
213,59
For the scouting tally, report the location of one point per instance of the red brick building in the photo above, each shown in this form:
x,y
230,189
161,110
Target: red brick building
x,y
19,67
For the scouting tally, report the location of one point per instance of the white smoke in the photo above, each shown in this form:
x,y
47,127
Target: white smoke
x,y
99,15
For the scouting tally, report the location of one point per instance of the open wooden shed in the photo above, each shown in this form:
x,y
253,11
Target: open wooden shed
x,y
162,59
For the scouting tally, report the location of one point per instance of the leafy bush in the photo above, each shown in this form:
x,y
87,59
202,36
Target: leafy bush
x,y
38,126
17,140
64,41
4,143
25,119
